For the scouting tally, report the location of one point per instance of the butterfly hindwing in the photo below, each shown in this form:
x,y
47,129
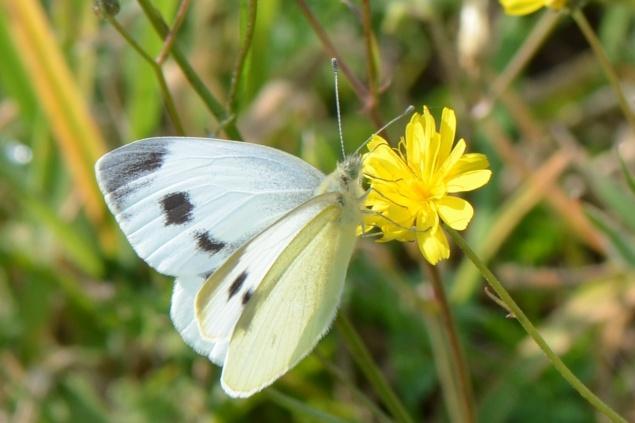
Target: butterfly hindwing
x,y
293,308
184,319
185,204
298,289
223,297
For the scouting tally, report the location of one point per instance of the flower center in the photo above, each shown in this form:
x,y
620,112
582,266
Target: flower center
x,y
428,190
421,190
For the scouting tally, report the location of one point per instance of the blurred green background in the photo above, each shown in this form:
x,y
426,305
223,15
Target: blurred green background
x,y
84,327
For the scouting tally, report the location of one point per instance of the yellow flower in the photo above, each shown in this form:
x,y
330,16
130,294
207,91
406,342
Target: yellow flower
x,y
410,185
524,7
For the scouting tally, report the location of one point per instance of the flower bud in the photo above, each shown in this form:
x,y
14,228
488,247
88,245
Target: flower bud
x,y
474,35
105,8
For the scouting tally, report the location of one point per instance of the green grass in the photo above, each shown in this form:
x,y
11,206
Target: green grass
x,y
84,328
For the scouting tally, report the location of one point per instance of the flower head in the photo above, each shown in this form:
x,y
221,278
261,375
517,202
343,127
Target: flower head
x,y
410,186
525,7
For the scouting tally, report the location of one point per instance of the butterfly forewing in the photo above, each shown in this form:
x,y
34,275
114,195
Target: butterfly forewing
x,y
186,204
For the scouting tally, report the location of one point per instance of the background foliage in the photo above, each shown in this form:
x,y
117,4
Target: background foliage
x,y
84,329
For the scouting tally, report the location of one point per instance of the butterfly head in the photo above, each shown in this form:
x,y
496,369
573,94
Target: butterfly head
x,y
346,180
349,169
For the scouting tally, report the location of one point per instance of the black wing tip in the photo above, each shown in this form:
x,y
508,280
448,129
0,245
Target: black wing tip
x,y
126,164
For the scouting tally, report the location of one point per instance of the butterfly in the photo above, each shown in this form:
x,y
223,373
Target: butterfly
x,y
259,242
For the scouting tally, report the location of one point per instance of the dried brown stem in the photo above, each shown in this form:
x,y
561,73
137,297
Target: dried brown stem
x,y
169,39
360,90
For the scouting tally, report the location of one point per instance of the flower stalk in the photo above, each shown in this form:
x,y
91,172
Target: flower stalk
x,y
531,330
457,356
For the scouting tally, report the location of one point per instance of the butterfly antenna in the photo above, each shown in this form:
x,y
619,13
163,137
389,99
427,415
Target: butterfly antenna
x,y
337,105
408,110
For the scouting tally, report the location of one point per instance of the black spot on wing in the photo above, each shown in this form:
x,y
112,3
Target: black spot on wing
x,y
235,286
177,208
207,243
246,296
123,166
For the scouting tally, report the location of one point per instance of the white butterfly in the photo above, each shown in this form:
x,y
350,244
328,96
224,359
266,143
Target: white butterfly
x,y
258,239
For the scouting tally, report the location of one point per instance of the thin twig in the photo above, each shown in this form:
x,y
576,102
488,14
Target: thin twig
x,y
531,330
607,67
458,357
242,55
158,70
169,40
364,360
357,85
492,296
212,104
360,90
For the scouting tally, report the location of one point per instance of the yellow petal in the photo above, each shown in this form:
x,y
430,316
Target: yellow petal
x,y
453,158
394,223
468,181
455,212
431,155
447,131
429,125
389,193
415,143
467,163
521,7
375,141
383,161
433,245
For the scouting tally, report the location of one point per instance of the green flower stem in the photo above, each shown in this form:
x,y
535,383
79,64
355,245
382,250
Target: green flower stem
x,y
227,122
446,372
365,362
607,67
531,330
457,357
158,70
252,10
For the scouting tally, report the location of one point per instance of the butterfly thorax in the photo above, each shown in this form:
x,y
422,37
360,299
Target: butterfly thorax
x,y
346,181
